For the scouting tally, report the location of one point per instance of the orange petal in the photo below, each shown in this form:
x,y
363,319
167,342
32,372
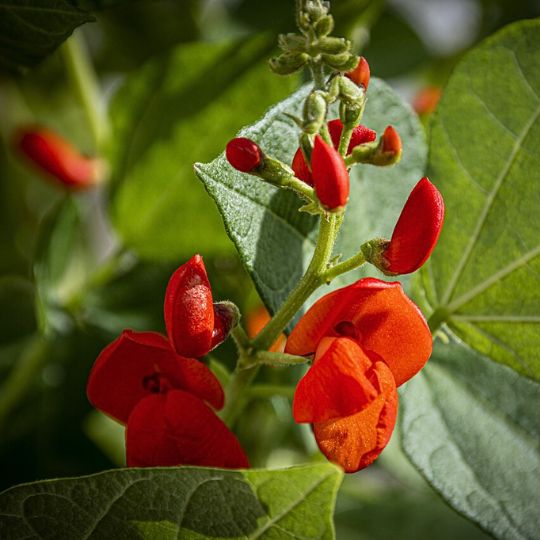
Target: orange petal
x,y
177,428
385,323
256,321
336,385
116,382
355,441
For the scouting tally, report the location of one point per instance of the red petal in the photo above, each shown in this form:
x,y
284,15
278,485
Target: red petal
x,y
388,325
330,176
391,141
360,135
177,428
189,310
301,168
360,74
417,230
116,382
337,383
243,154
355,441
58,157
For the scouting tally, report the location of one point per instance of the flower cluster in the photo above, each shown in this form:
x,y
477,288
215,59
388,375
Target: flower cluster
x,y
160,391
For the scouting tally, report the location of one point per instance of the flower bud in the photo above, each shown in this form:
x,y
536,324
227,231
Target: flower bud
x,y
58,158
426,100
340,62
334,45
314,112
226,317
301,168
288,63
324,26
391,142
415,234
360,74
360,135
330,176
243,154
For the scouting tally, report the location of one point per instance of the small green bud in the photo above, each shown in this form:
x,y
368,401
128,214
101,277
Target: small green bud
x,y
333,89
314,112
344,61
292,43
333,45
350,92
350,114
324,26
287,63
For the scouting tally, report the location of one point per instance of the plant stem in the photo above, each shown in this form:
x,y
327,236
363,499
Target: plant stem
x,y
318,75
345,266
83,78
345,139
265,391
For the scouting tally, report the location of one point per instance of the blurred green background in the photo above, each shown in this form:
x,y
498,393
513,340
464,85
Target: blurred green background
x,y
77,269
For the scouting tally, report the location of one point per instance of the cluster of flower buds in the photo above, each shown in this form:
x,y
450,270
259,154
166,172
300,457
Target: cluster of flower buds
x,y
367,339
157,387
313,43
58,159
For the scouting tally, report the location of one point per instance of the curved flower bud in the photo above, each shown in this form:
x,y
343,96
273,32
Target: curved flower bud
x,y
59,159
360,74
355,441
391,142
360,135
417,230
243,154
301,168
427,99
330,176
378,316
177,428
189,310
141,363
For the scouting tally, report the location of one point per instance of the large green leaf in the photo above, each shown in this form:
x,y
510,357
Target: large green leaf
x,y
32,29
484,277
274,240
177,109
184,502
472,427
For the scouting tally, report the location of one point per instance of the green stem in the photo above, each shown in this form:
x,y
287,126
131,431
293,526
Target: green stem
x,y
266,391
86,86
345,266
22,376
278,359
240,338
345,139
241,378
317,73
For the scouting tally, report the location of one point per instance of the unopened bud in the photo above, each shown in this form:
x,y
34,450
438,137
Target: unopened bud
x,y
324,26
288,63
340,62
301,168
360,74
330,176
226,317
391,142
59,159
244,154
334,45
314,112
292,43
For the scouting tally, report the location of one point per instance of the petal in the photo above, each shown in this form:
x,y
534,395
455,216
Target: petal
x,y
301,168
387,325
256,320
243,154
355,441
116,382
360,135
177,428
189,311
337,383
417,229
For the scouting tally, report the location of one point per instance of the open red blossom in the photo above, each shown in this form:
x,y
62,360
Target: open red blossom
x,y
58,158
243,154
360,74
417,230
360,135
330,176
378,316
194,324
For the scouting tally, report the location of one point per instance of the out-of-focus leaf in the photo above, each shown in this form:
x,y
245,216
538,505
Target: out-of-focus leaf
x,y
33,29
17,311
472,427
484,277
178,109
182,502
274,240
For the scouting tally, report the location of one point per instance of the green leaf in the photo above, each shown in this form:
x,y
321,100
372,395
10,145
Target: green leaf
x,y
484,277
184,502
274,240
177,109
32,29
472,428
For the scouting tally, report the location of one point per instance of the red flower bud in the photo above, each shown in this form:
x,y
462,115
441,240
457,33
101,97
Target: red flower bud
x,y
391,142
330,176
360,135
301,168
417,230
360,74
426,100
58,158
243,154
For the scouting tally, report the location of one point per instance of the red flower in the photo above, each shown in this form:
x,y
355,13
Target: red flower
x,y
391,142
58,158
301,168
163,397
330,176
360,74
417,230
368,338
243,154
